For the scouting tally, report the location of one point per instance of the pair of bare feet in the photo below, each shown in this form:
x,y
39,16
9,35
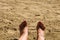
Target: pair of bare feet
x,y
24,31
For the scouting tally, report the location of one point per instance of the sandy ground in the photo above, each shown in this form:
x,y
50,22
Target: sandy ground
x,y
13,12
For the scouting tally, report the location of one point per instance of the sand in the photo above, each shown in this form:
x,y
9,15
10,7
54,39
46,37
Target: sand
x,y
13,12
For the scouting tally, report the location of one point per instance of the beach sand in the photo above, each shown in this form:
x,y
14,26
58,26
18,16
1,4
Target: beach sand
x,y
13,12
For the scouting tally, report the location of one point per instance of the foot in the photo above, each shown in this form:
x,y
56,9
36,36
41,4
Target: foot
x,y
40,31
23,31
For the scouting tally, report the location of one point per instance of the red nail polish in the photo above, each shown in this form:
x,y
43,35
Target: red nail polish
x,y
22,26
40,25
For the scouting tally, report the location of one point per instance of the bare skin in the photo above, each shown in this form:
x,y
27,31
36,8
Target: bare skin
x,y
24,31
40,31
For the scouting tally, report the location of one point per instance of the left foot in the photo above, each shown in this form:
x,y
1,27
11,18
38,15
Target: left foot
x,y
23,31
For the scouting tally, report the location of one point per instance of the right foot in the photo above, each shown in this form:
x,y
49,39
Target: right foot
x,y
40,31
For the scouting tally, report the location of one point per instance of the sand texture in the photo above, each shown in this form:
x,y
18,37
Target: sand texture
x,y
13,12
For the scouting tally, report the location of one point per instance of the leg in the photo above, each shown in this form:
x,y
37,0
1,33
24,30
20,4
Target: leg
x,y
40,31
23,31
